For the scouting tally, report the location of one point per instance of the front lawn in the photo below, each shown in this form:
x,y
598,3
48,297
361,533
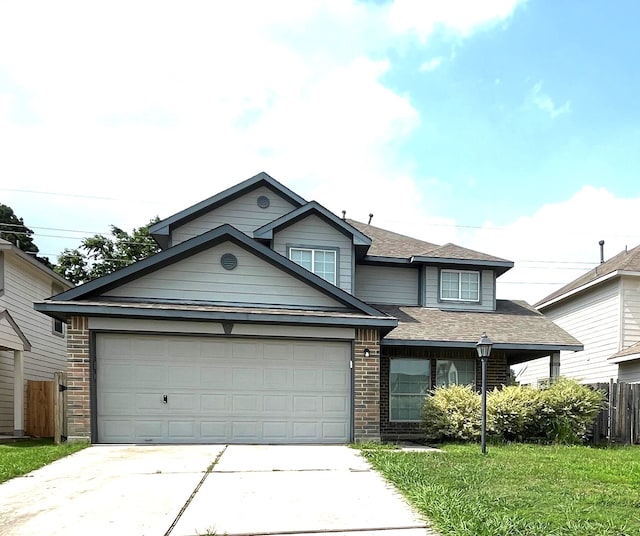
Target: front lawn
x,y
23,457
523,490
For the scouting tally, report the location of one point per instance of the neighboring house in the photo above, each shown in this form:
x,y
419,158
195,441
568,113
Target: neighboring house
x,y
32,345
602,309
268,319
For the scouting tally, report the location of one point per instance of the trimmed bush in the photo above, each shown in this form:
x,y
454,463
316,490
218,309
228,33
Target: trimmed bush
x,y
568,410
452,413
563,413
512,412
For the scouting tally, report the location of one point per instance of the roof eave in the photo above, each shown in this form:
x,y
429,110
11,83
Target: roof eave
x,y
472,344
500,266
595,282
63,311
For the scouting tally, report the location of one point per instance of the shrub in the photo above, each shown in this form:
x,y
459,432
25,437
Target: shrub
x,y
512,412
568,410
452,413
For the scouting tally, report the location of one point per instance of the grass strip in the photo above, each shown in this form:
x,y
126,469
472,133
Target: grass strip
x,y
519,489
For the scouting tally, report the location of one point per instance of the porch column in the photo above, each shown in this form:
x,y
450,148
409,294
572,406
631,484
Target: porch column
x,y
18,392
554,367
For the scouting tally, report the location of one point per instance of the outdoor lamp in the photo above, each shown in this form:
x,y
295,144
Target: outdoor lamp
x,y
367,353
483,347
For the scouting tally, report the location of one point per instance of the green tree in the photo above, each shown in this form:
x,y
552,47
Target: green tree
x,y
13,229
100,255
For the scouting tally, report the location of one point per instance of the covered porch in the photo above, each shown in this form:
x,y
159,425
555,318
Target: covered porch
x,y
15,343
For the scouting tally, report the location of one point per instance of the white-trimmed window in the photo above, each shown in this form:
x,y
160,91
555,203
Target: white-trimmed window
x,y
321,262
458,285
455,372
409,382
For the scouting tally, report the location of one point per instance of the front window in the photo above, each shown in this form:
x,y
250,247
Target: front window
x,y
457,285
455,372
409,382
321,262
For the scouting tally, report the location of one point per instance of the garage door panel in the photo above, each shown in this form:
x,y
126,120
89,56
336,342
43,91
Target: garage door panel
x,y
222,390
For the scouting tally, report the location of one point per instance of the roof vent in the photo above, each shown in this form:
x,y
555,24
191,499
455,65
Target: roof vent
x,y
344,215
601,251
229,261
370,218
263,201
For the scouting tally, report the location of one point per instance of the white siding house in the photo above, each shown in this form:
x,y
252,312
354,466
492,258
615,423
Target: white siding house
x,y
32,345
601,309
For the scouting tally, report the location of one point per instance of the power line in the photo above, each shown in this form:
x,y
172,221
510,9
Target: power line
x,y
81,196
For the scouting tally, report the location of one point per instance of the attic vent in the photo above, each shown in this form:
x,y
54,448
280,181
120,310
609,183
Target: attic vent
x,y
229,261
263,201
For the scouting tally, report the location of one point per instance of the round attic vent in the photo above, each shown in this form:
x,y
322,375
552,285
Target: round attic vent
x,y
263,201
229,261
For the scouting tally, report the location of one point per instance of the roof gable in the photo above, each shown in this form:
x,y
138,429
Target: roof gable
x,y
108,284
11,336
161,231
6,246
623,261
313,207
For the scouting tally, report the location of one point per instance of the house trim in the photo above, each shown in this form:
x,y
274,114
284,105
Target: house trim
x,y
26,345
578,290
472,344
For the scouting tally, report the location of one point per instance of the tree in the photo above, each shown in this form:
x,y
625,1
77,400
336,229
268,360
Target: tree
x,y
100,255
13,229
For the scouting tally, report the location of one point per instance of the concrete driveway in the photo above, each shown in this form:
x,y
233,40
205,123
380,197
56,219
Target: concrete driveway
x,y
206,489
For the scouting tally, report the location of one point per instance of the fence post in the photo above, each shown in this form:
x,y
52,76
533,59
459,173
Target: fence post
x,y
60,407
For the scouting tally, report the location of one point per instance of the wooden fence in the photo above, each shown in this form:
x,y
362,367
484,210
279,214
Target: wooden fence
x,y
46,403
619,421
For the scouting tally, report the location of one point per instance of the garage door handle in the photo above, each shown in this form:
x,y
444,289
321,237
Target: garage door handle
x,y
164,399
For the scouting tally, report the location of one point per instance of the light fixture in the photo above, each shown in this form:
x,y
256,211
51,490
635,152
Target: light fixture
x,y
367,353
483,347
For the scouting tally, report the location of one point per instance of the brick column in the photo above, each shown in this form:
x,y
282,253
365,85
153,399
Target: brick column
x,y
78,376
366,372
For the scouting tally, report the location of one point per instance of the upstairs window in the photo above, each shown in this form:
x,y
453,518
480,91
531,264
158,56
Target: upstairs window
x,y
458,285
321,262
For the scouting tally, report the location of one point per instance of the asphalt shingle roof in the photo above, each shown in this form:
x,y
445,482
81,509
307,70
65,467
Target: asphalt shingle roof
x,y
625,260
389,244
512,323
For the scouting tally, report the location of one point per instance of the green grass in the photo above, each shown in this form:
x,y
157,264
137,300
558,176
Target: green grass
x,y
23,457
519,490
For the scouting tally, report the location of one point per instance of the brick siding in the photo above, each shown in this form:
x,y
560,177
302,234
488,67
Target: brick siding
x,y
366,374
78,376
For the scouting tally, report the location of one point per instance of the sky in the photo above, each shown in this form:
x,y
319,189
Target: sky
x,y
505,126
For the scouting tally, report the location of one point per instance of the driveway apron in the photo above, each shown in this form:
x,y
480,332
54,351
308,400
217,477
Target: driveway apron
x,y
210,489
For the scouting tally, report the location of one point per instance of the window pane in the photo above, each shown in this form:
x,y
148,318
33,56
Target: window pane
x,y
455,372
449,285
469,286
303,257
325,265
409,381
406,408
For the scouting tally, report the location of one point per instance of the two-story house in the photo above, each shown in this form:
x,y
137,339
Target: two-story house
x,y
32,345
602,309
268,319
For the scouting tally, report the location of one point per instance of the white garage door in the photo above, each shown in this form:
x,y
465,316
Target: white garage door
x,y
185,389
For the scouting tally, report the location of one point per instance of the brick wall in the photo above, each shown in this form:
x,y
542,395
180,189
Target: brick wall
x,y
366,373
78,375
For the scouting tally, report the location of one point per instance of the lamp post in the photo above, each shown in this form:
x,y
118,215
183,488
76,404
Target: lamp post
x,y
483,347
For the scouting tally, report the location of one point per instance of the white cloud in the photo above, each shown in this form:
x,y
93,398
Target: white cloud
x,y
543,102
559,242
460,16
161,104
431,65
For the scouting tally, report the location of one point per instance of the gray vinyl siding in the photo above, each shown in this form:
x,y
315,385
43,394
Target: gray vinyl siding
x,y
594,319
313,232
24,284
630,311
387,285
629,371
243,213
202,278
487,292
